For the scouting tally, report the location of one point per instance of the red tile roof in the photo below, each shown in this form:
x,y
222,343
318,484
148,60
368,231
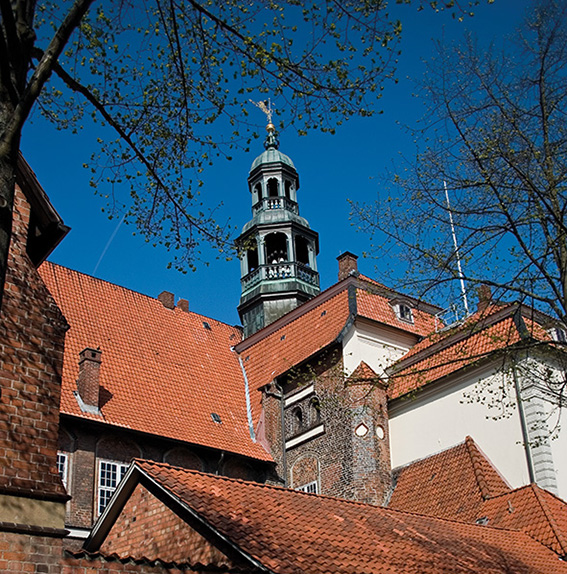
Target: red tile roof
x,y
535,511
296,341
297,336
445,352
290,532
163,371
452,484
378,308
461,484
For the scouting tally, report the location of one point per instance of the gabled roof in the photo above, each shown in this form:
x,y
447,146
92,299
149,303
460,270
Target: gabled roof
x,y
287,532
322,321
461,483
535,511
164,371
496,328
451,484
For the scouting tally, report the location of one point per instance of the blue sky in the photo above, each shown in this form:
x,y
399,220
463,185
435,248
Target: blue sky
x,y
332,170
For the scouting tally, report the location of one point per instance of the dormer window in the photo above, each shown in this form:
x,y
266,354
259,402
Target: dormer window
x,y
404,312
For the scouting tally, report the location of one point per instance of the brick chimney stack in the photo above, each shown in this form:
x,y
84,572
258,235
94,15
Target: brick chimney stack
x,y
183,304
484,297
347,265
88,381
167,299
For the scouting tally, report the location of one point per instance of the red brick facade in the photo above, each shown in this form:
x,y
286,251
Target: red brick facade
x,y
348,458
146,526
32,331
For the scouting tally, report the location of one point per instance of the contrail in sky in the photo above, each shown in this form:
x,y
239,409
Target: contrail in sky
x,y
108,244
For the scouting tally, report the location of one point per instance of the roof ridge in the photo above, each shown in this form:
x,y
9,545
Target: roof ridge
x,y
452,339
312,494
437,453
474,452
52,263
550,518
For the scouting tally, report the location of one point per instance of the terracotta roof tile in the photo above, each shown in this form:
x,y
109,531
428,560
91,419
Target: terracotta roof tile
x,y
296,341
378,308
533,510
291,532
163,371
443,353
452,484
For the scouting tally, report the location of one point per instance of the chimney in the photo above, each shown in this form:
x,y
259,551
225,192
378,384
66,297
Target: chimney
x,y
89,376
167,299
183,304
347,265
484,297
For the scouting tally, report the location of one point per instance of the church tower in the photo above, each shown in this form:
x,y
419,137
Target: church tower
x,y
278,249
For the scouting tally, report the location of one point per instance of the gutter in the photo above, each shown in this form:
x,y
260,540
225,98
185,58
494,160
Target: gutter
x,y
282,428
248,404
524,426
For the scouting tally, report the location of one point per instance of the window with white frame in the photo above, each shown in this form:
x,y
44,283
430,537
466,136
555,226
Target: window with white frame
x,y
63,467
109,476
404,312
558,334
309,487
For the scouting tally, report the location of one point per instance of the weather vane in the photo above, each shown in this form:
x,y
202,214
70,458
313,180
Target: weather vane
x,y
266,107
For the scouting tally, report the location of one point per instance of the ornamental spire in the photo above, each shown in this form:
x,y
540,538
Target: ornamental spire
x,y
271,140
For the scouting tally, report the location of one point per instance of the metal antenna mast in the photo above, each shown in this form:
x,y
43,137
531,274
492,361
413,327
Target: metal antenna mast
x,y
461,276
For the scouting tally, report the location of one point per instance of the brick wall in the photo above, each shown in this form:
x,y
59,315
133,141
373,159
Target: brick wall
x,y
87,443
32,332
344,463
147,528
29,553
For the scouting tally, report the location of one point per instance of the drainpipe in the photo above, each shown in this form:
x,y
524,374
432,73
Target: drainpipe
x,y
524,426
282,429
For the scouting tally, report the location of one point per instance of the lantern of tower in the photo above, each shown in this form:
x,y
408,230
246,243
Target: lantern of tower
x,y
278,249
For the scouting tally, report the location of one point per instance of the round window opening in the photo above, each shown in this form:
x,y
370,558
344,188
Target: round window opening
x,y
361,430
380,432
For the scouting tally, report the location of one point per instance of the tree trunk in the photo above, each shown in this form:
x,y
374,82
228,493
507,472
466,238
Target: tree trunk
x,y
8,162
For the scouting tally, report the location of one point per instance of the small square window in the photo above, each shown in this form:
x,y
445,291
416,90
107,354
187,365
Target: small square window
x,y
310,487
405,313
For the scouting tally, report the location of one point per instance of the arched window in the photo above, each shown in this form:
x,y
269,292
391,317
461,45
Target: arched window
x,y
252,259
258,191
314,411
297,420
251,256
288,189
273,187
302,250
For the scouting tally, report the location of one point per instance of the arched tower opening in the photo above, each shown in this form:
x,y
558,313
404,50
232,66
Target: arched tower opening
x,y
273,187
276,248
302,250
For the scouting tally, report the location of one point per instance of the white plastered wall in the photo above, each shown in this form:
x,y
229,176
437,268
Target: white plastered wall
x,y
377,345
435,420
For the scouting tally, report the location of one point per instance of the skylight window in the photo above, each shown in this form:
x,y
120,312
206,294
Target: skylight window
x,y
207,326
216,418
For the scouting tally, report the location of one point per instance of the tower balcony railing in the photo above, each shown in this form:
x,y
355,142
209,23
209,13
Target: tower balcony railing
x,y
271,203
279,271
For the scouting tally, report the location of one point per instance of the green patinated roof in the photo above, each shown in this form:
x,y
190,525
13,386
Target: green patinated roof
x,y
271,155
